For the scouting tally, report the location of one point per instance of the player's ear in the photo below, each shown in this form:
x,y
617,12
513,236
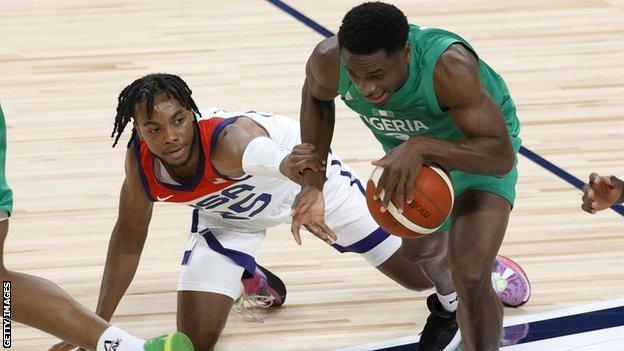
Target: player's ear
x,y
406,52
135,125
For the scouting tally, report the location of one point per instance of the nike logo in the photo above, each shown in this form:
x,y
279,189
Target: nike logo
x,y
218,181
111,345
164,198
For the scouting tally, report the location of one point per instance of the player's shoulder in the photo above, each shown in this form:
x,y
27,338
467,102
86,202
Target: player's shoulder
x,y
131,166
326,51
456,76
325,58
323,69
457,63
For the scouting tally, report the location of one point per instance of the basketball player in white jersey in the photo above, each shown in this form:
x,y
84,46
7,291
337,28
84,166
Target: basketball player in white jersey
x,y
239,173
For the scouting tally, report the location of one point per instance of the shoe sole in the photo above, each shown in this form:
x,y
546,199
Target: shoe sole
x,y
518,269
178,342
275,284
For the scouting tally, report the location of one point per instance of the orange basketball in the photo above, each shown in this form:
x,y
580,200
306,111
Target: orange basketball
x,y
433,202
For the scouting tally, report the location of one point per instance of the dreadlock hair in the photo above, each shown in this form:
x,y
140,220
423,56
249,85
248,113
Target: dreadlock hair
x,y
144,89
373,26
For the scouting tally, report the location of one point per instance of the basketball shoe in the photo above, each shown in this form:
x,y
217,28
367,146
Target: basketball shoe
x,y
175,341
510,282
441,332
264,289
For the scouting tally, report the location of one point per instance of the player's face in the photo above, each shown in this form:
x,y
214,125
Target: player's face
x,y
378,75
169,132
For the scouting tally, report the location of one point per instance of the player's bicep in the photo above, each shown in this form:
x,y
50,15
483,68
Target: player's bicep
x,y
135,209
481,119
227,156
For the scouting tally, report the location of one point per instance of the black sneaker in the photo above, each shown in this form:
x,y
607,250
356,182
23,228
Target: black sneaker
x,y
441,332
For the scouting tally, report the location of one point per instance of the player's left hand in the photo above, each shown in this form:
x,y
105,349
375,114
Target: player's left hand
x,y
309,210
64,346
401,166
601,193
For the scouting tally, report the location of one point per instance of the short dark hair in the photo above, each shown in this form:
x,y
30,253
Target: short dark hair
x,y
144,89
373,26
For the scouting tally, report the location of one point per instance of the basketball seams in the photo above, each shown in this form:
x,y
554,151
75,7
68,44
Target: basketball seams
x,y
448,182
403,220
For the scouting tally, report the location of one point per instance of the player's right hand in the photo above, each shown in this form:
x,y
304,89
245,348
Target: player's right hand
x,y
64,346
303,156
601,193
309,210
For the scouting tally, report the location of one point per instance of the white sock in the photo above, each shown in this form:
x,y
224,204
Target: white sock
x,y
449,302
115,339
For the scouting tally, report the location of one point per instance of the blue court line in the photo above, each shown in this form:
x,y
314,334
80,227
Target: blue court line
x,y
550,328
577,183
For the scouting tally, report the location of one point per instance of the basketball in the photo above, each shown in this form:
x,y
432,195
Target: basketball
x,y
432,204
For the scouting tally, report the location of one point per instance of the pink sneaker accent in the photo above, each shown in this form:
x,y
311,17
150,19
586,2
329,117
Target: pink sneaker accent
x,y
510,282
266,285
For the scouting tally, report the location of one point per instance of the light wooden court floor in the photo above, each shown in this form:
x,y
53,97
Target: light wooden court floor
x,y
63,63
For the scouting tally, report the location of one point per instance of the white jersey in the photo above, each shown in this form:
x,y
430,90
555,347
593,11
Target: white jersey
x,y
230,216
262,202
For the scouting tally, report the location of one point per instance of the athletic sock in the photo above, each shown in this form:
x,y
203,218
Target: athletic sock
x,y
449,302
115,339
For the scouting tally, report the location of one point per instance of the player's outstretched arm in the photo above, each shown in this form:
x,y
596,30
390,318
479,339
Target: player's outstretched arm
x,y
602,192
317,115
127,240
244,147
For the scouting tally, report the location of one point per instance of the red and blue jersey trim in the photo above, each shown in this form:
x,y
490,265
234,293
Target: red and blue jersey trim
x,y
207,179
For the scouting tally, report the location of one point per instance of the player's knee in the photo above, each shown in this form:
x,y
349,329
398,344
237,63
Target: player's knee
x,y
470,280
419,285
424,254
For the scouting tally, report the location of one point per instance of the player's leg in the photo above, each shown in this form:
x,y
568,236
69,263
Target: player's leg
x,y
210,281
479,225
416,264
400,260
429,252
42,304
39,303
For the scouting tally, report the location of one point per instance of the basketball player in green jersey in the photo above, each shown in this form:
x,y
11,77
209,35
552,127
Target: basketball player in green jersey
x,y
427,97
42,304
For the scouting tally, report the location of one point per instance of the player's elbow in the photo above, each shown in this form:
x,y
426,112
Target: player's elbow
x,y
505,164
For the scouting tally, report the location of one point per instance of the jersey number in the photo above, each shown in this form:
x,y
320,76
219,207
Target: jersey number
x,y
242,204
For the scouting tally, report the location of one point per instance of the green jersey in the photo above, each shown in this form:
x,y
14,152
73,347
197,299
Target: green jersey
x,y
6,195
414,109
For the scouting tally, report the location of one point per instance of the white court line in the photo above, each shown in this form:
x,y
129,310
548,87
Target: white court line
x,y
383,344
603,340
512,320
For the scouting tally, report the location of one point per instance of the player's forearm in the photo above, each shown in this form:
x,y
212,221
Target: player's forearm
x,y
317,127
481,155
121,265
